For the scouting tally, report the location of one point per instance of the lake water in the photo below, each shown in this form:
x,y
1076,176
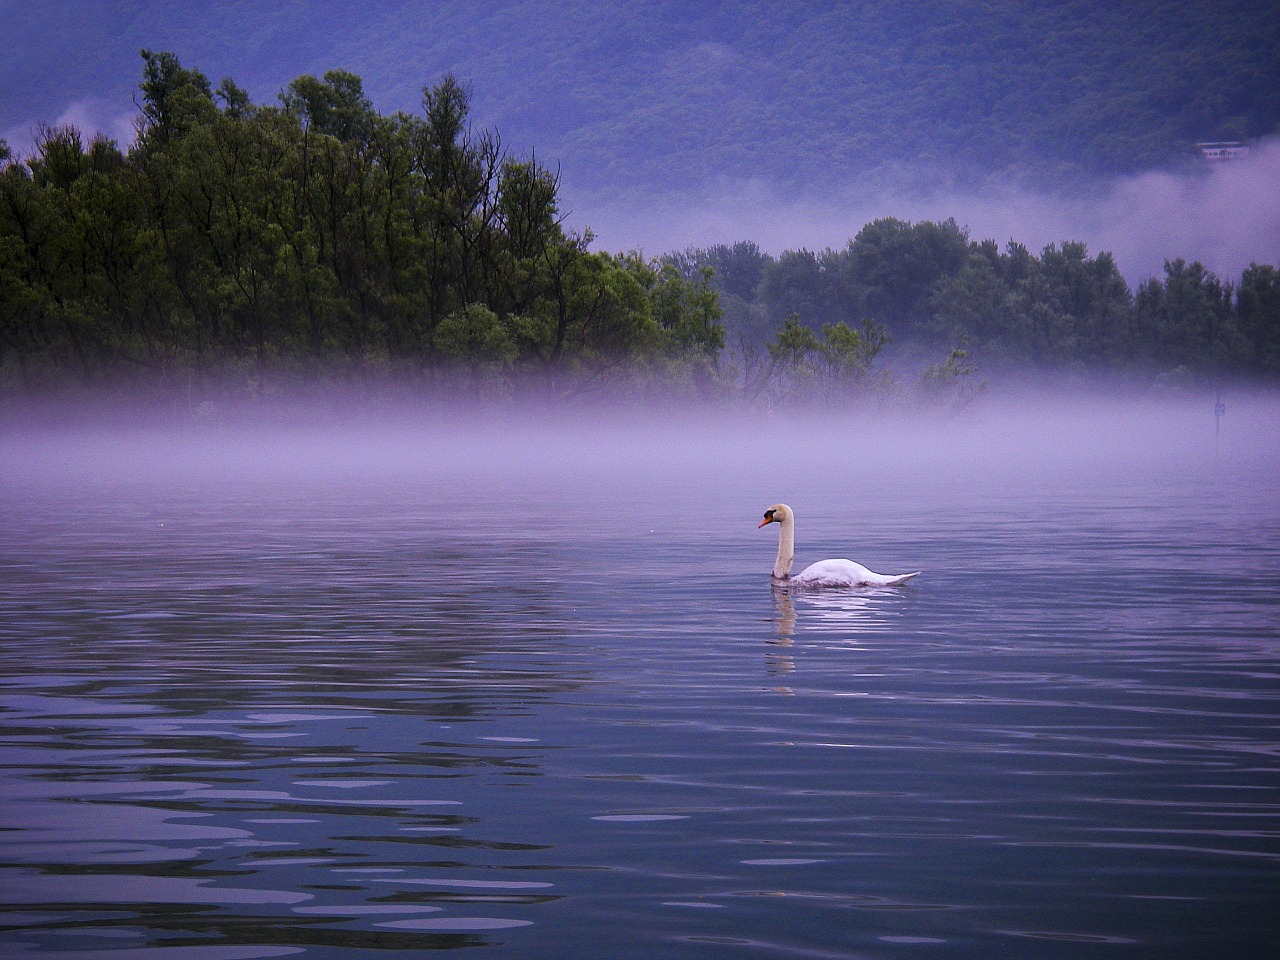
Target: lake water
x,y
391,690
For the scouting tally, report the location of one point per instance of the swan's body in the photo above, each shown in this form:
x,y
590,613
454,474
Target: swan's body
x,y
824,573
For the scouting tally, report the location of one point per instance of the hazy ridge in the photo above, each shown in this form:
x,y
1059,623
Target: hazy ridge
x,y
636,97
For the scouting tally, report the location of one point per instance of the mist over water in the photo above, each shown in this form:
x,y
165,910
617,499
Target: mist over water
x,y
365,437
359,683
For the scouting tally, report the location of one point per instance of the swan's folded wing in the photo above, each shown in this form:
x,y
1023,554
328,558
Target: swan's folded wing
x,y
847,573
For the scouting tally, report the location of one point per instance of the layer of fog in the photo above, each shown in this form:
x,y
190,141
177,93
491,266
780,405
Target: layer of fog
x,y
1009,437
1225,215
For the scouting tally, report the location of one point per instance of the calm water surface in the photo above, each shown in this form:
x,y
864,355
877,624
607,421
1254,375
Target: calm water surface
x,y
387,694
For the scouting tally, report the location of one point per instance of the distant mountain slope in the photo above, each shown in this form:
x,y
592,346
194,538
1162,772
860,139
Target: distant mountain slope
x,y
635,96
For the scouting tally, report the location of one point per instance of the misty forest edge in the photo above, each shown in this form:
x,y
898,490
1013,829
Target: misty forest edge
x,y
242,243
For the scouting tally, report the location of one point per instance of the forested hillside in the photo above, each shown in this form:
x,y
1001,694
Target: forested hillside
x,y
665,94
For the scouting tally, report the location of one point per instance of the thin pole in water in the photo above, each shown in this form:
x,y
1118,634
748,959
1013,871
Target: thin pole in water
x,y
1219,409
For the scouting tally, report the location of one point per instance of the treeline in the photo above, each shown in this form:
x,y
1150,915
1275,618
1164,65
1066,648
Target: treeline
x,y
246,244
928,288
237,241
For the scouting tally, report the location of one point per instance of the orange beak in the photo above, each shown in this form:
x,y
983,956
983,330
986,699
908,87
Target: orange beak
x,y
766,520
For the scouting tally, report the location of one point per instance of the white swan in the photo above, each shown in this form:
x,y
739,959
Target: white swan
x,y
824,573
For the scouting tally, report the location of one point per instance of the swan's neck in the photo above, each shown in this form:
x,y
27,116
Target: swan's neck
x,y
786,548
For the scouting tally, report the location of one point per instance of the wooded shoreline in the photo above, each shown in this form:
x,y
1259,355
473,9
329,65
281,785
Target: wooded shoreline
x,y
239,247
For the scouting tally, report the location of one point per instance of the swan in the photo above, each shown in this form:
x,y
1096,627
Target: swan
x,y
824,573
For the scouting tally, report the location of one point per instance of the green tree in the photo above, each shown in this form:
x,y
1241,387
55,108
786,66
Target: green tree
x,y
795,344
736,270
462,170
849,354
476,338
255,240
175,100
889,268
28,262
979,303
335,106
1185,320
1258,310
796,283
833,367
950,382
735,277
687,312
1092,294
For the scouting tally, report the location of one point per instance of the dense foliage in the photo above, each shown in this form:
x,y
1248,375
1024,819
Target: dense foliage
x,y
929,288
808,91
671,94
244,243
252,239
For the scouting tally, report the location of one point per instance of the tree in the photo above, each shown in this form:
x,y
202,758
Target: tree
x,y
1258,309
1185,320
1094,297
834,367
893,264
687,311
795,283
848,355
949,382
735,276
977,302
255,239
335,106
736,270
174,100
460,200
476,338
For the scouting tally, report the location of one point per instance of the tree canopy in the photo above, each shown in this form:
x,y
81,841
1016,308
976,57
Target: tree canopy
x,y
932,290
313,233
315,236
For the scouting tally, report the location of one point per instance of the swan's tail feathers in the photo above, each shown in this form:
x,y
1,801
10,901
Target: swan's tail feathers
x,y
903,578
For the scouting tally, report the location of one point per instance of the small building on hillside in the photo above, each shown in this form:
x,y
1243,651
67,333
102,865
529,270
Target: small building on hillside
x,y
1223,150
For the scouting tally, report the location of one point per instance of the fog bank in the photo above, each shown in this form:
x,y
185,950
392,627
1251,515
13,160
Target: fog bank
x,y
1226,215
1010,435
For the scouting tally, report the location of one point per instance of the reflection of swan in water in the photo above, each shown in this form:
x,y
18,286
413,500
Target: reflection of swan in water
x,y
824,573
844,619
843,611
778,661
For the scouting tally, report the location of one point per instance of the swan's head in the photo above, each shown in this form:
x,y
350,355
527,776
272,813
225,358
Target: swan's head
x,y
778,513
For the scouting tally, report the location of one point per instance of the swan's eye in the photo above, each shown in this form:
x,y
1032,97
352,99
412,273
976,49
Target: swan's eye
x,y
768,514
